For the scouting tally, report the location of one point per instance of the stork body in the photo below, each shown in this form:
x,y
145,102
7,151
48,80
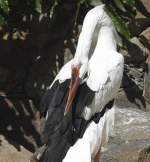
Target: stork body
x,y
97,56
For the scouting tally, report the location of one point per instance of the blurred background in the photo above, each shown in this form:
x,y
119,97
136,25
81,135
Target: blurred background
x,y
37,37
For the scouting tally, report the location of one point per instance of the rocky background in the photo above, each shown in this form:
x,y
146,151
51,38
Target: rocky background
x,y
30,59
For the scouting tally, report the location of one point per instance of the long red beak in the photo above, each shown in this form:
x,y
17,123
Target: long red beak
x,y
74,84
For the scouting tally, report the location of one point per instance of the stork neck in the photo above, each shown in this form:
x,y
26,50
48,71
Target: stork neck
x,y
106,39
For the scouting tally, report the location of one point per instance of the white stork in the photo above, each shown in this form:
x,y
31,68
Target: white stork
x,y
99,66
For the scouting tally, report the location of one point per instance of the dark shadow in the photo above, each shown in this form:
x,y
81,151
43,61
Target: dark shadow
x,y
16,124
32,52
138,25
39,57
133,92
137,55
147,82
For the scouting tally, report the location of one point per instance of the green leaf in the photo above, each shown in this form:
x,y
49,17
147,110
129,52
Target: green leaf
x,y
118,22
130,3
86,2
130,6
38,6
2,21
82,1
120,5
95,2
4,6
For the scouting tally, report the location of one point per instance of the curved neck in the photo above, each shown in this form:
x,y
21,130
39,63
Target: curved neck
x,y
97,34
106,39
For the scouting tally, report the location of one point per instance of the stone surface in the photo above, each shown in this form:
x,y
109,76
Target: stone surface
x,y
146,4
131,92
129,98
137,50
138,25
146,92
131,135
146,35
8,153
143,7
132,124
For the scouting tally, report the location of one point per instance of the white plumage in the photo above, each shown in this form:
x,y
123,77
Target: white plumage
x,y
96,53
